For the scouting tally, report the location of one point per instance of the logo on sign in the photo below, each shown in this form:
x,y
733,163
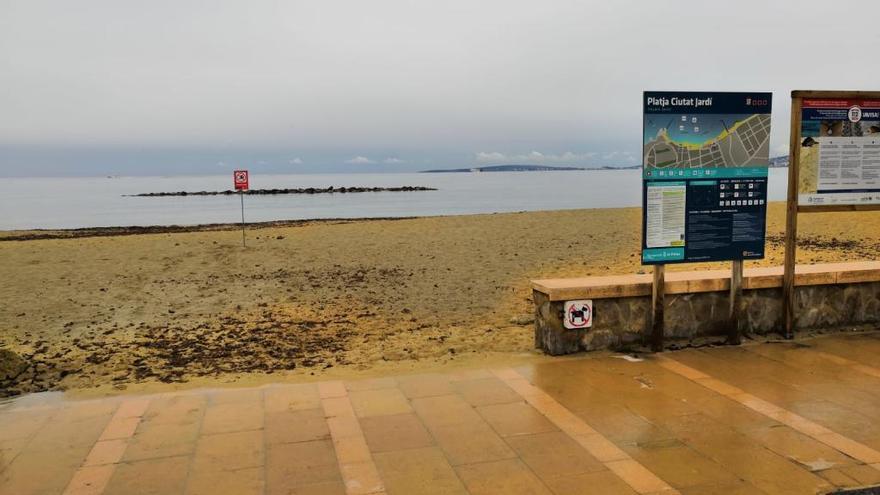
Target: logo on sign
x,y
578,314
855,114
240,179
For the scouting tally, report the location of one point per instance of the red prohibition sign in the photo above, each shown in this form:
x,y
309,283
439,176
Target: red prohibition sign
x,y
579,317
240,179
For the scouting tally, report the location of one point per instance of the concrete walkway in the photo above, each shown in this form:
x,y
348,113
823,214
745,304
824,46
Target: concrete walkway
x,y
771,418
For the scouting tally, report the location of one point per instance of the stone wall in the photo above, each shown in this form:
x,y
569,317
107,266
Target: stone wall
x,y
622,321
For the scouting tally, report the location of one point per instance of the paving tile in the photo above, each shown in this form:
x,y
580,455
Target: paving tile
x,y
90,480
337,406
426,385
510,477
290,465
290,426
515,418
298,397
106,452
132,408
734,488
79,411
232,416
361,478
637,476
150,477
42,472
865,475
424,471
681,466
850,447
379,402
395,432
240,482
371,384
249,395
596,483
486,391
751,462
445,410
553,455
9,450
325,488
600,447
182,409
469,443
161,440
60,434
327,390
22,424
621,425
731,413
801,448
344,426
351,450
120,428
471,374
229,451
838,478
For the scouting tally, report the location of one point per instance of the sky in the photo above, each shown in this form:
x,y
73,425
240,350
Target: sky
x,y
121,87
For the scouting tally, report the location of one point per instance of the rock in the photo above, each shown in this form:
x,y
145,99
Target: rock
x,y
524,319
11,365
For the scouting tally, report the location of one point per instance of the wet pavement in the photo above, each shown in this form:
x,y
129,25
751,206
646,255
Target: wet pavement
x,y
795,417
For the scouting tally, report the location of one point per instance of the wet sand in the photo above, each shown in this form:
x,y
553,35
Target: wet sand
x,y
111,310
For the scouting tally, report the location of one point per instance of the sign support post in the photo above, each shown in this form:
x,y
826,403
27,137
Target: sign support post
x,y
240,180
241,194
791,211
736,277
658,303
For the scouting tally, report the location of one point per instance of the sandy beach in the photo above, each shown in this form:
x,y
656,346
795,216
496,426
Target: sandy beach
x,y
115,309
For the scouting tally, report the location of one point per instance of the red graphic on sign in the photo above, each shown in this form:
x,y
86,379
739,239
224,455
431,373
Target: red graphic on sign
x,y
240,179
579,315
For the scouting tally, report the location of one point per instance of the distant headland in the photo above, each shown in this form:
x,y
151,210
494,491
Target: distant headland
x,y
507,168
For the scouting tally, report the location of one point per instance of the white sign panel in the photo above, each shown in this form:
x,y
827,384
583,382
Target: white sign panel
x,y
578,314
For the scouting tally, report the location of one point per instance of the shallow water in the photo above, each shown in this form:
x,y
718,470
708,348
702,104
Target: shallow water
x,y
47,203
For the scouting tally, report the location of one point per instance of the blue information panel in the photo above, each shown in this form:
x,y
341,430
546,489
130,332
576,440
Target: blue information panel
x,y
704,176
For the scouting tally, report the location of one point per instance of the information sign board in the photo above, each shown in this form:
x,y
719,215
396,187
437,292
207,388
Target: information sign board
x,y
704,187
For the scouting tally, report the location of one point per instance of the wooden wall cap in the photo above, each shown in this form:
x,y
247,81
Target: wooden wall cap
x,y
689,282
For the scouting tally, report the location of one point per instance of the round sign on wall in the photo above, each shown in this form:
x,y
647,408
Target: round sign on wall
x,y
578,314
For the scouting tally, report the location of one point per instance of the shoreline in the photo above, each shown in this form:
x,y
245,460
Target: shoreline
x,y
85,232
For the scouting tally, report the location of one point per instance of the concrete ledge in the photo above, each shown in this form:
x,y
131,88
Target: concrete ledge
x,y
563,289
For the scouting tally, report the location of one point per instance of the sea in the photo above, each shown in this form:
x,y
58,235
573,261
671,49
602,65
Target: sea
x,y
63,203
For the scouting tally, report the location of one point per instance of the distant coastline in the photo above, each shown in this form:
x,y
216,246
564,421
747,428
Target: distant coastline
x,y
502,168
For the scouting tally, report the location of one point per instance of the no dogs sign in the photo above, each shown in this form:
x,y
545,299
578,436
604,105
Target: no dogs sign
x,y
240,180
578,314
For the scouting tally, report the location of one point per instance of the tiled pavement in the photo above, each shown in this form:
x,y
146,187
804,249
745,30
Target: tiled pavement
x,y
772,418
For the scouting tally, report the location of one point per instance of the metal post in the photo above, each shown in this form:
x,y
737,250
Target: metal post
x,y
658,302
241,195
736,276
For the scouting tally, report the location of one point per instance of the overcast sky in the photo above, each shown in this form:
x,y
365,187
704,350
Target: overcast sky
x,y
201,87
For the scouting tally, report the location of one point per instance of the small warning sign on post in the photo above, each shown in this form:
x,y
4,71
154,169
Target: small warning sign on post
x,y
240,180
578,314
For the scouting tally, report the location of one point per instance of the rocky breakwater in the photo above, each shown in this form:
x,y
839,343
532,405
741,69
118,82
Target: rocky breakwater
x,y
304,190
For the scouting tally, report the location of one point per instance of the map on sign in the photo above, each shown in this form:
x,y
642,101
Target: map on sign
x,y
690,141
